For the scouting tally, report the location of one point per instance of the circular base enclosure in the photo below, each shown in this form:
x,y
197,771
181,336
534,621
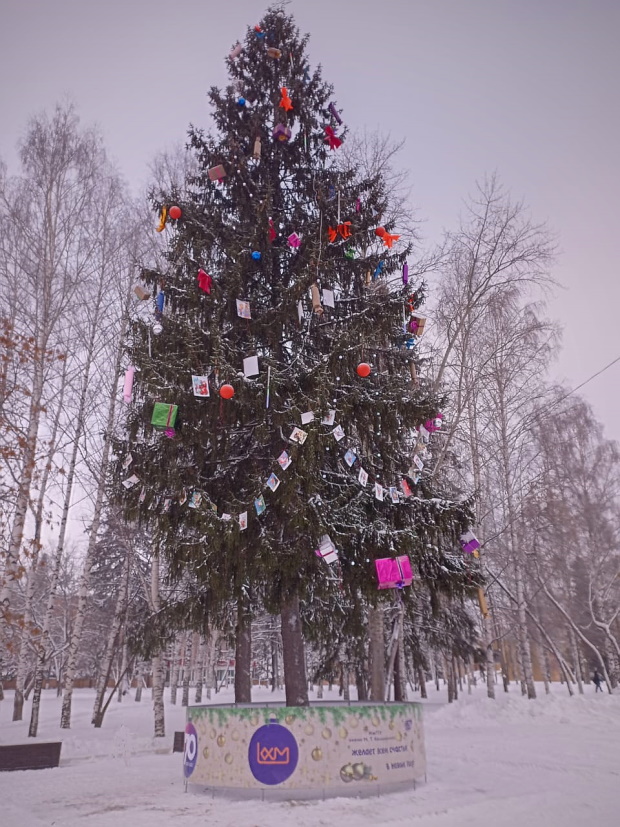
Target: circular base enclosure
x,y
321,751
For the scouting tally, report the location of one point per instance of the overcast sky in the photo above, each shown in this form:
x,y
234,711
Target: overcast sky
x,y
527,88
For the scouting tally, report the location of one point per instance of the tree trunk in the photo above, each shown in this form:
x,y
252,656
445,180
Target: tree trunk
x,y
113,636
178,648
243,653
376,654
188,662
78,624
400,668
293,654
422,682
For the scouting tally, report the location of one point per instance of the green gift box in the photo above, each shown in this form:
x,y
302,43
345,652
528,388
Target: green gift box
x,y
164,416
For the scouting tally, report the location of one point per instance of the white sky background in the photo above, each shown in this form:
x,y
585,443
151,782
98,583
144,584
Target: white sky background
x,y
528,88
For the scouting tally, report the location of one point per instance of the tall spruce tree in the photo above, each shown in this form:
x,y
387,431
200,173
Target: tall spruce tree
x,y
270,220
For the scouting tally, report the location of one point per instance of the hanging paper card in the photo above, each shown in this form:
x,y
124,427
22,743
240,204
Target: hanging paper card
x,y
327,550
195,500
226,517
300,312
273,482
338,433
406,488
418,462
379,492
417,324
250,366
469,542
363,477
329,418
243,520
299,436
284,460
307,417
200,386
130,481
167,504
141,293
142,496
183,497
394,494
259,505
243,309
127,462
328,298
424,434
349,458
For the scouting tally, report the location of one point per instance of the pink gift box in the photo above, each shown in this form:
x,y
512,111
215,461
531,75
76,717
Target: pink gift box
x,y
469,542
394,573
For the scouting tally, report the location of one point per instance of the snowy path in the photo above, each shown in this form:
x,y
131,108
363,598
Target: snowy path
x,y
555,761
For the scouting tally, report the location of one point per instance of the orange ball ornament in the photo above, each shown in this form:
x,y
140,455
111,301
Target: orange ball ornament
x,y
363,369
175,212
227,391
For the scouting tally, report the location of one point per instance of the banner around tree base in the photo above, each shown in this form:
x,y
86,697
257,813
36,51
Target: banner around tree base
x,y
322,751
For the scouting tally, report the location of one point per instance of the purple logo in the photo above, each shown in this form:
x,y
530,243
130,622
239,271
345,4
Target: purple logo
x,y
273,754
408,724
190,753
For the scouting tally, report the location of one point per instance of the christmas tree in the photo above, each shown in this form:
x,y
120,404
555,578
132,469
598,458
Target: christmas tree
x,y
275,398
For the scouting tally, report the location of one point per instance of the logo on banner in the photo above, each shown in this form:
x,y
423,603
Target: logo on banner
x,y
190,753
273,754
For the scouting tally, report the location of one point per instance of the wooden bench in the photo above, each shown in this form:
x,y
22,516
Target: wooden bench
x,y
36,756
179,742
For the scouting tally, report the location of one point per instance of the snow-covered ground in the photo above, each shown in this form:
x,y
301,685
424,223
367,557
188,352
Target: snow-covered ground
x,y
513,763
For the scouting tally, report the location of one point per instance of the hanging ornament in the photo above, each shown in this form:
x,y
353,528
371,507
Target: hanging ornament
x,y
272,230
128,385
236,51
316,299
163,217
281,133
388,239
285,102
332,139
482,602
259,32
227,391
349,253
363,369
141,293
394,573
327,550
274,53
164,415
256,255
378,269
205,282
413,372
405,273
469,542
294,240
434,424
257,149
335,114
342,230
241,102
175,213
217,173
157,328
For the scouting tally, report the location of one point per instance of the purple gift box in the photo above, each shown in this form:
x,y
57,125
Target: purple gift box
x,y
394,573
469,542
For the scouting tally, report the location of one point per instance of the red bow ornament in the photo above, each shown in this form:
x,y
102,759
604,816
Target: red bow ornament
x,y
285,102
343,230
205,282
388,239
332,139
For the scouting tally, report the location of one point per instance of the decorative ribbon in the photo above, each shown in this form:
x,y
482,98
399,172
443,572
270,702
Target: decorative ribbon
x,y
163,217
343,230
205,281
400,583
316,300
332,139
272,230
388,239
285,102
